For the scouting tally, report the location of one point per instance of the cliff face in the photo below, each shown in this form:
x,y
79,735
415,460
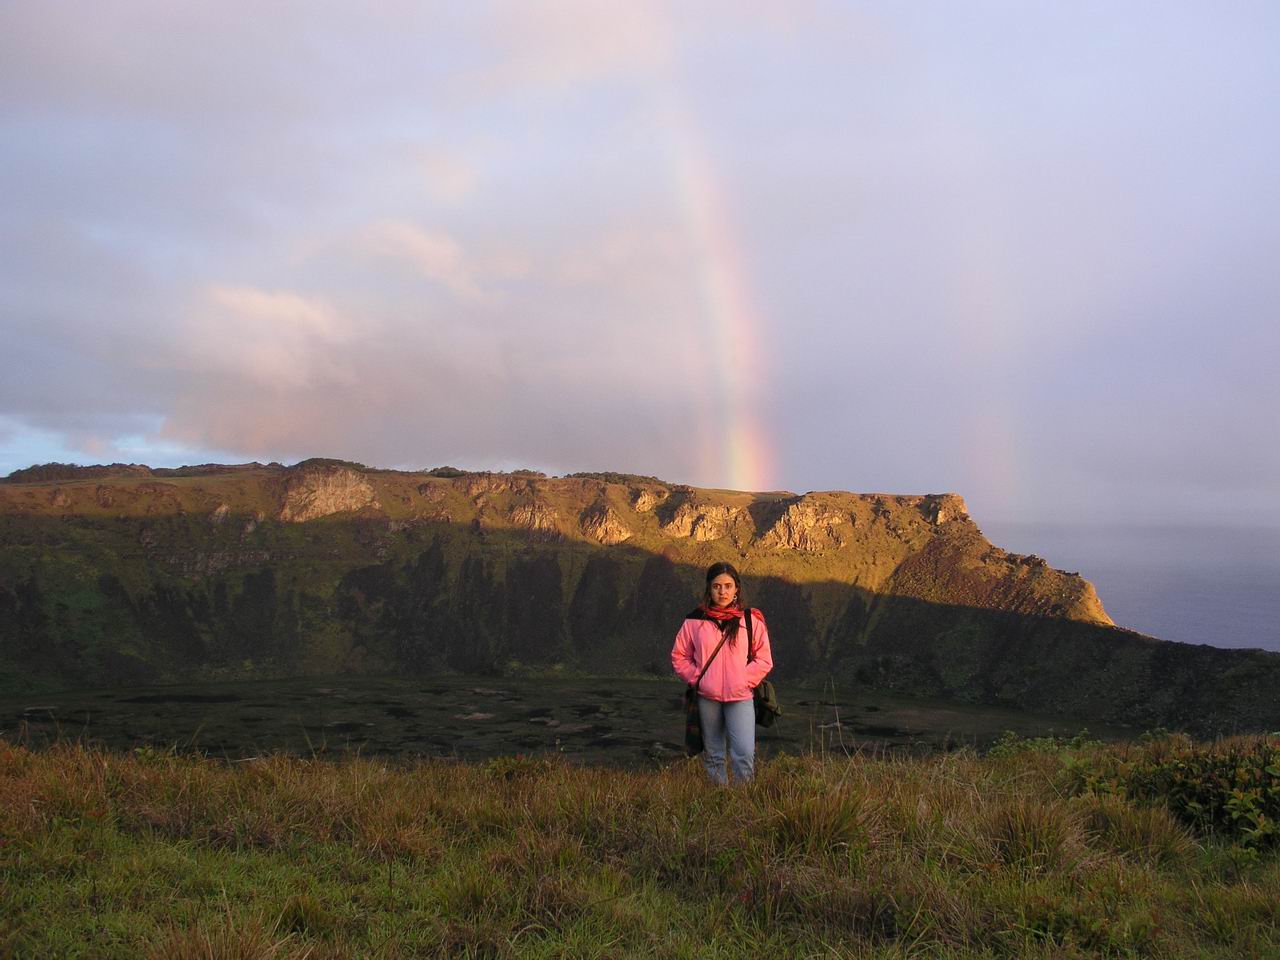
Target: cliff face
x,y
322,491
134,575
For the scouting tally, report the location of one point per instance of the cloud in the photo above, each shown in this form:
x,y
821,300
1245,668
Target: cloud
x,y
554,47
450,178
278,339
638,255
436,256
468,376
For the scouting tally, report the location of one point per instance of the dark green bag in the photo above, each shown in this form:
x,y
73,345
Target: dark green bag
x,y
766,700
763,695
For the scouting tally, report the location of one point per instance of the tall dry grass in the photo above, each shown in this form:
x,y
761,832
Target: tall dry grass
x,y
154,853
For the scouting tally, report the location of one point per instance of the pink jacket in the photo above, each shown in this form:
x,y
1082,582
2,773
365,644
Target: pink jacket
x,y
729,677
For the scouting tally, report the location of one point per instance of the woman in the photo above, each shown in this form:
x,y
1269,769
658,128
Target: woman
x,y
725,680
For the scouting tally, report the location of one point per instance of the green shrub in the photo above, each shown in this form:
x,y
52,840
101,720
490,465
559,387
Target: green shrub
x,y
1231,788
1011,744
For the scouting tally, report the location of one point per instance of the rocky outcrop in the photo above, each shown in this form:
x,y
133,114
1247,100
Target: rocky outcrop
x,y
481,484
810,525
701,521
536,516
312,492
942,507
601,523
644,499
484,484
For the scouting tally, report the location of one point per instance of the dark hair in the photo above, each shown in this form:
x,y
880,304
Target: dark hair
x,y
713,571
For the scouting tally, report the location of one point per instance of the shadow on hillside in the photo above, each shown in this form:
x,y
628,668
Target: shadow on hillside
x,y
88,601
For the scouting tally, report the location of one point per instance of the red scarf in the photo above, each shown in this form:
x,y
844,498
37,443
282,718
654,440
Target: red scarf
x,y
722,614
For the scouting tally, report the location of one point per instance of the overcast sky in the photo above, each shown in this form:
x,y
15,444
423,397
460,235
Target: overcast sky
x,y
1021,251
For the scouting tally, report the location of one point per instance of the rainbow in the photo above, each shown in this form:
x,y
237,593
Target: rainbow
x,y
735,445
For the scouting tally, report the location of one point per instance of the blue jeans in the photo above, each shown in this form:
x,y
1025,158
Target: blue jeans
x,y
735,721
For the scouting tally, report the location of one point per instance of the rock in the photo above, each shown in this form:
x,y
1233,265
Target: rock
x,y
809,524
478,484
602,524
701,521
59,498
320,491
939,508
536,516
644,499
220,514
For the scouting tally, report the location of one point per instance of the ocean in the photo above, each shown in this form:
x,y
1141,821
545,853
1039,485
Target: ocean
x,y
1215,585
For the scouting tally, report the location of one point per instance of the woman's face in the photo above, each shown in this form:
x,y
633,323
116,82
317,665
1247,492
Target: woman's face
x,y
723,591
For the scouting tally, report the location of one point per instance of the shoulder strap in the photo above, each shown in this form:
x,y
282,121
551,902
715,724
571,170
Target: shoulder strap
x,y
697,682
749,615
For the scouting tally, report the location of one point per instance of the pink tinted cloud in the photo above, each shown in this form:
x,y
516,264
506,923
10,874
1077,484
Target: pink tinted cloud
x,y
594,357
275,338
572,43
433,254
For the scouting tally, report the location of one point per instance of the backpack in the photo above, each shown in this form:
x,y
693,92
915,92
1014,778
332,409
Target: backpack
x,y
764,695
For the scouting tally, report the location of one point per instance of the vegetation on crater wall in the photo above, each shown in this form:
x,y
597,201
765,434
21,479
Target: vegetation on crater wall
x,y
127,579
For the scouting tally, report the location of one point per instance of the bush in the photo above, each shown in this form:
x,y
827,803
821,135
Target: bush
x,y
1011,744
1231,788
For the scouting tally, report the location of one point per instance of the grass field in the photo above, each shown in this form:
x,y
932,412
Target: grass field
x,y
618,721
1033,851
